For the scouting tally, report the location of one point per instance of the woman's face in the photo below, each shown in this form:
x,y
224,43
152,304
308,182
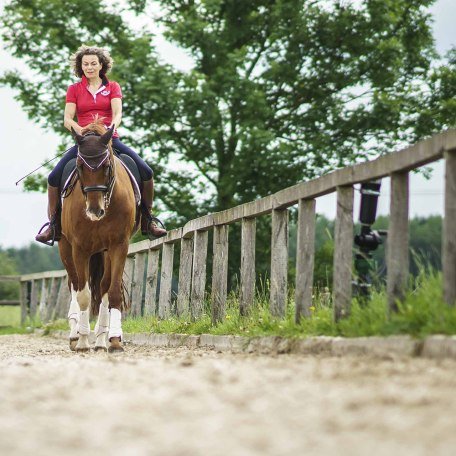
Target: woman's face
x,y
91,66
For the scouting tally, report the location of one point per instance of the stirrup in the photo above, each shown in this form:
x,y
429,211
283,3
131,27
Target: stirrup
x,y
51,225
151,219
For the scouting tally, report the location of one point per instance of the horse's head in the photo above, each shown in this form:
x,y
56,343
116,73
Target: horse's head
x,y
95,168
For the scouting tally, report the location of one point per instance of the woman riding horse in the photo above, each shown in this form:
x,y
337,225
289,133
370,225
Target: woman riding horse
x,y
93,97
98,219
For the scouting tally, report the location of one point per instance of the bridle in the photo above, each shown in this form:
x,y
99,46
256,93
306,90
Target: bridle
x,y
82,161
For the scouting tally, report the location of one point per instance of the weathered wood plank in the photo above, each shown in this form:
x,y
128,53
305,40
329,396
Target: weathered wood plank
x,y
63,299
279,262
43,275
166,281
185,277
412,157
43,298
305,251
52,298
138,280
150,302
219,272
10,278
248,241
25,302
34,299
198,274
398,240
144,246
343,255
449,231
128,277
10,302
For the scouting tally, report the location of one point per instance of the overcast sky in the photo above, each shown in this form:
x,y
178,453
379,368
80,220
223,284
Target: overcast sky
x,y
24,145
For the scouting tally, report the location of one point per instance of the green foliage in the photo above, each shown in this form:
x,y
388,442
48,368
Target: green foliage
x,y
34,258
8,290
279,92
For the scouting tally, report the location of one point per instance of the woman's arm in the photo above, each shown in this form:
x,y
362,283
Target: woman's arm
x,y
116,106
70,111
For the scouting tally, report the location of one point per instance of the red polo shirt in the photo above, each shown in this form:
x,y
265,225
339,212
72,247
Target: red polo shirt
x,y
88,105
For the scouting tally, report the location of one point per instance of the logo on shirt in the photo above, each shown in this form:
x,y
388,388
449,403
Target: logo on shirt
x,y
105,92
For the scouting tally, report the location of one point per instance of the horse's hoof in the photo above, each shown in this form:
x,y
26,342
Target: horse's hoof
x,y
115,345
73,343
116,349
99,349
82,349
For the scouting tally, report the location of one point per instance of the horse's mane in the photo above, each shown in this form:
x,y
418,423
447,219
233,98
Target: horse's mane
x,y
97,126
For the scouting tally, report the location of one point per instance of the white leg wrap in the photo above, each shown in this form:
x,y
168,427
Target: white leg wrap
x,y
102,324
115,325
84,325
73,315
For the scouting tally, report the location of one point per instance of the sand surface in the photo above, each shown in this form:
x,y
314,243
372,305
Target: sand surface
x,y
152,401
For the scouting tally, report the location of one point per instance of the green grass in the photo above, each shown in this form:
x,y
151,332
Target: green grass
x,y
422,313
10,316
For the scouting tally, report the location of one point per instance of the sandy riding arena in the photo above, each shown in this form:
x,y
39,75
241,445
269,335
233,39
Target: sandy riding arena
x,y
178,401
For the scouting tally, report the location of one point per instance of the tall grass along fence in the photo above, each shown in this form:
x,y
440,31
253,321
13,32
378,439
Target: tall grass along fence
x,y
149,263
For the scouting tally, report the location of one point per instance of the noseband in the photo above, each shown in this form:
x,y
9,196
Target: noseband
x,y
106,189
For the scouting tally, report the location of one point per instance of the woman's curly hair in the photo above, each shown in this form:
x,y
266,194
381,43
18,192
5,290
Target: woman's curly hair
x,y
103,56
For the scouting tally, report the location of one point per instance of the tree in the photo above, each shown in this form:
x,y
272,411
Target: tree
x,y
280,90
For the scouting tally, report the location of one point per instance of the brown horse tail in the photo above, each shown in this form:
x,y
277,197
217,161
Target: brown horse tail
x,y
96,270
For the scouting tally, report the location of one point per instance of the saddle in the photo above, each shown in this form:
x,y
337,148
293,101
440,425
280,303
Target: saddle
x,y
69,176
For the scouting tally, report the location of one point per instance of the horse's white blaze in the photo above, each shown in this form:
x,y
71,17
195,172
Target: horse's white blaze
x,y
115,325
89,208
102,326
73,314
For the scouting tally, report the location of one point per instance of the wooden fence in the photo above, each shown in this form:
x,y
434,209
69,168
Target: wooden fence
x,y
47,294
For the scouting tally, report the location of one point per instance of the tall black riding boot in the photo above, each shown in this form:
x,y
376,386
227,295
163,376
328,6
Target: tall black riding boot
x,y
53,230
149,225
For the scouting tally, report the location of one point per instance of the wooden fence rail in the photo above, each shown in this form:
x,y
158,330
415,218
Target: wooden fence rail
x,y
149,268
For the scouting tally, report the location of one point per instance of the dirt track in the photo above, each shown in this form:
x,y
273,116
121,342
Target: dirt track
x,y
196,402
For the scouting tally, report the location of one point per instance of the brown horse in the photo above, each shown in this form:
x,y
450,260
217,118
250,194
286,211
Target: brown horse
x,y
98,219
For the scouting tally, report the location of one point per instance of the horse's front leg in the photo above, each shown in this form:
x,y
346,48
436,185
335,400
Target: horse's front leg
x,y
117,257
81,262
73,312
102,325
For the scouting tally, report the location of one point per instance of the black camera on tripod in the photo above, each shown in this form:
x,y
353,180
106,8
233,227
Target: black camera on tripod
x,y
367,240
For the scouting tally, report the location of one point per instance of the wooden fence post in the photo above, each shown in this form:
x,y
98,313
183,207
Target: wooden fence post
x,y
343,254
138,280
43,299
52,300
128,277
151,282
248,239
279,262
449,230
166,281
219,272
185,277
305,258
24,302
33,300
63,299
398,240
198,273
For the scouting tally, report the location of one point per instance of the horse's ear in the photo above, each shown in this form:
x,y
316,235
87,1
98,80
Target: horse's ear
x,y
77,137
107,136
